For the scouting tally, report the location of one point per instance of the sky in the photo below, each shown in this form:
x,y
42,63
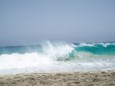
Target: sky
x,y
31,21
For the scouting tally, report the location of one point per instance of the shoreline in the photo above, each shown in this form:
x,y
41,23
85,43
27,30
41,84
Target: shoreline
x,y
87,78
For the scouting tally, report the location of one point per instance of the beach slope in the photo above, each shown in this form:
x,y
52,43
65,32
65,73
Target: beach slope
x,y
97,78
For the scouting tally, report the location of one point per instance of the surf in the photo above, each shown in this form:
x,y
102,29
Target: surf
x,y
57,57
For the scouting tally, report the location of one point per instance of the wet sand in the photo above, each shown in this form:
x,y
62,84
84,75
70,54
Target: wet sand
x,y
97,78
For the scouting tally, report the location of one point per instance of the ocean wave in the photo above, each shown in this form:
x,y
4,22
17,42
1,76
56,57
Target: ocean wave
x,y
57,56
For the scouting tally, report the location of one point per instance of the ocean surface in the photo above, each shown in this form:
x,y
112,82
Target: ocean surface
x,y
57,57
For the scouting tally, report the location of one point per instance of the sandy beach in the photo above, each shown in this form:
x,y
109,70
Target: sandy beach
x,y
97,78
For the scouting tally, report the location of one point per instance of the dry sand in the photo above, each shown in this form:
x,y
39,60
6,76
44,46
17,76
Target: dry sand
x,y
97,78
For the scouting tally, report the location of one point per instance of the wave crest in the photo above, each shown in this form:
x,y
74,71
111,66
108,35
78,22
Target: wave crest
x,y
57,56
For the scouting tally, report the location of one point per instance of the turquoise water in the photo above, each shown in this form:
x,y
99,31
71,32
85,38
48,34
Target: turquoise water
x,y
94,48
57,57
98,48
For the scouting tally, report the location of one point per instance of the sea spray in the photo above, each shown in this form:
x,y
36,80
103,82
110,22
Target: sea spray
x,y
57,57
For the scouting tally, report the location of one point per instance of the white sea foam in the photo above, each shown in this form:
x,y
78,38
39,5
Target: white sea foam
x,y
106,44
51,52
48,60
93,44
86,44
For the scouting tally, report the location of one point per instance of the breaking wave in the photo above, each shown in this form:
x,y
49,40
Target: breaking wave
x,y
57,57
